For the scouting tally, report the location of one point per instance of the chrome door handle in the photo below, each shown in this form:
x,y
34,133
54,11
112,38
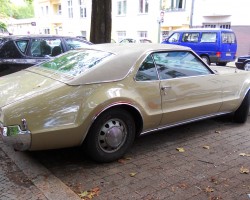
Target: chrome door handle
x,y
164,89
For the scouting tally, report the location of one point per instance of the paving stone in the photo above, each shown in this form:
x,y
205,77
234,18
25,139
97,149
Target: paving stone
x,y
161,172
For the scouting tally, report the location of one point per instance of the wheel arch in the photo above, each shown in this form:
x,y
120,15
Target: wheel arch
x,y
134,111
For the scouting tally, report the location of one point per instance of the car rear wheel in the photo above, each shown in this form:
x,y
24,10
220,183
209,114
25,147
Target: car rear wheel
x,y
240,115
111,135
205,59
247,66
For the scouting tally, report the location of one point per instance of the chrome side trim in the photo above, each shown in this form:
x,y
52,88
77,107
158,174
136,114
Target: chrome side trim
x,y
116,104
184,122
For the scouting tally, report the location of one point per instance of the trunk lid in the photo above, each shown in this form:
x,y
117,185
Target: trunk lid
x,y
24,84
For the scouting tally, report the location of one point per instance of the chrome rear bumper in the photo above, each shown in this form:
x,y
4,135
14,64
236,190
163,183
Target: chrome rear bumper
x,y
15,137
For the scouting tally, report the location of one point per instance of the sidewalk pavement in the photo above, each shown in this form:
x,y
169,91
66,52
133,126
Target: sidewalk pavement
x,y
21,177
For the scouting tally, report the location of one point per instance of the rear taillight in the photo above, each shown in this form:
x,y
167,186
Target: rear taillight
x,y
218,54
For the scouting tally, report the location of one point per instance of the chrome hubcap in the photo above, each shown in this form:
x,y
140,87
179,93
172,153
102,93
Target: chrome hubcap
x,y
112,135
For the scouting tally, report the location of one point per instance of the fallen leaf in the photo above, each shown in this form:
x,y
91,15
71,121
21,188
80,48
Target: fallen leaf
x,y
90,194
206,147
83,194
173,188
213,180
123,160
244,170
245,154
209,189
180,149
182,185
132,174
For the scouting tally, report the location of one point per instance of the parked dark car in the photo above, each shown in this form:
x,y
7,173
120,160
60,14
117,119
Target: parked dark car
x,y
20,52
243,62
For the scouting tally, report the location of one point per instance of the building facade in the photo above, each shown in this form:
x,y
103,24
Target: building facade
x,y
152,19
130,18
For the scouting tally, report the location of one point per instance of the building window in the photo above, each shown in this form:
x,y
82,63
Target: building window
x,y
121,35
47,10
42,12
59,9
121,7
142,34
217,25
46,31
143,6
70,9
174,5
83,10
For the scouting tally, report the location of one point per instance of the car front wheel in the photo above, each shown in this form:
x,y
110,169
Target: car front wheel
x,y
241,114
111,135
247,66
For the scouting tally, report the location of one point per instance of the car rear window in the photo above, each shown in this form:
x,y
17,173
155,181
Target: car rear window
x,y
76,62
228,38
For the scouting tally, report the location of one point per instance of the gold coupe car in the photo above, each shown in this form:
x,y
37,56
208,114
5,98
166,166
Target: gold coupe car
x,y
106,95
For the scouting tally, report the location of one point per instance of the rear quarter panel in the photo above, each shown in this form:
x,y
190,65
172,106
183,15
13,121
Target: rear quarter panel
x,y
234,87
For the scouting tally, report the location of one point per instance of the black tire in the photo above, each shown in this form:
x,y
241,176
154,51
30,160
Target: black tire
x,y
240,115
247,66
205,59
221,63
111,135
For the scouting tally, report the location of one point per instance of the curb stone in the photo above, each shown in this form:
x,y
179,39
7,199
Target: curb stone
x,y
52,187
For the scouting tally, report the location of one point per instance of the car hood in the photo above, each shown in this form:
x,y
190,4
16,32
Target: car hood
x,y
23,84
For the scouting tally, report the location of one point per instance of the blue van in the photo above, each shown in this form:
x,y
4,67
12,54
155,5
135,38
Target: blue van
x,y
212,45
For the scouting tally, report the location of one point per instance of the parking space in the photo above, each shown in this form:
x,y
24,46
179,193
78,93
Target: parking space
x,y
204,160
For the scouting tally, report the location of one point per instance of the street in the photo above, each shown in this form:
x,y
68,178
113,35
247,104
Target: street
x,y
203,160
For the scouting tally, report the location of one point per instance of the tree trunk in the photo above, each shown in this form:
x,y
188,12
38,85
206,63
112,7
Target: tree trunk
x,y
101,21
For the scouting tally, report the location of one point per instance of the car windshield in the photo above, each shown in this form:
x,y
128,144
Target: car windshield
x,y
76,62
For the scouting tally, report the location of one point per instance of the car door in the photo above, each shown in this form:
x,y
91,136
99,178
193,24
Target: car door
x,y
189,89
146,90
12,55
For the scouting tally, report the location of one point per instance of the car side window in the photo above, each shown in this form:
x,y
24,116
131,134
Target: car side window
x,y
174,38
147,71
208,37
177,64
9,50
45,47
75,44
190,37
22,45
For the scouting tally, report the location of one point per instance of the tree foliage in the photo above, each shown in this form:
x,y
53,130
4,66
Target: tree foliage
x,y
8,9
3,26
101,21
22,12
